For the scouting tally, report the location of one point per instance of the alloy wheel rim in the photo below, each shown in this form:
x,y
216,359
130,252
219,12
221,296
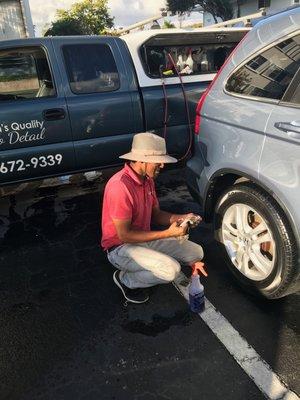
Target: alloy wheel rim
x,y
248,241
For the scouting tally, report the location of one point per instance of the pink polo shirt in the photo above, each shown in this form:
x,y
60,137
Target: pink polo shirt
x,y
126,197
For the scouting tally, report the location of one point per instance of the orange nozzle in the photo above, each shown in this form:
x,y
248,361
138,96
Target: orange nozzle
x,y
195,270
198,268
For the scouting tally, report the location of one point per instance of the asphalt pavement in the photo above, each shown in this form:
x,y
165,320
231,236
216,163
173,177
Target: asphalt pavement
x,y
66,333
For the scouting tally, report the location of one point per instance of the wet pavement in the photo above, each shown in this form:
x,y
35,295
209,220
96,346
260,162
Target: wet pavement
x,y
65,332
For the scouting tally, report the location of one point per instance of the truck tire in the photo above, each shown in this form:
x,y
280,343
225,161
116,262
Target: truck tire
x,y
256,240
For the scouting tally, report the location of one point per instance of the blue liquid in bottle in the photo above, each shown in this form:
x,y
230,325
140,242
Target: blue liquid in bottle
x,y
197,303
196,295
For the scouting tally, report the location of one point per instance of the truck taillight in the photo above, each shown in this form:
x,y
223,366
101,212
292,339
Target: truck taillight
x,y
205,93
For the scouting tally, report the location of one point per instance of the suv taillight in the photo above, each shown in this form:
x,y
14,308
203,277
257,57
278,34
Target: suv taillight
x,y
205,93
203,97
199,106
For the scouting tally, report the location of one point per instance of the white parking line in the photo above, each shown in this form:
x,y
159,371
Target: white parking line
x,y
250,361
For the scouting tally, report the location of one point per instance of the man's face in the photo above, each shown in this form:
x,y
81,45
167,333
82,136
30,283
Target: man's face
x,y
152,169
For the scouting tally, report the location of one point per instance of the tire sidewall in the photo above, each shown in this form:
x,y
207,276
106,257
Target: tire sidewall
x,y
238,195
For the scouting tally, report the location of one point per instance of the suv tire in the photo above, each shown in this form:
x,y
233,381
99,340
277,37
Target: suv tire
x,y
256,240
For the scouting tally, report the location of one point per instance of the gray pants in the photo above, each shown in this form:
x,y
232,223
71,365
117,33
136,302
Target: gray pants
x,y
151,263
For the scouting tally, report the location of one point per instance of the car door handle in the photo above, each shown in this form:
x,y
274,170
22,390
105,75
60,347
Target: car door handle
x,y
291,128
53,114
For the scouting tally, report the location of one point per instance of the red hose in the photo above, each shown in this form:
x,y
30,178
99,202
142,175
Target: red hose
x,y
166,106
186,107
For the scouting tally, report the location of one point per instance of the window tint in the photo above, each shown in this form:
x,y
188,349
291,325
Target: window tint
x,y
268,74
189,60
24,74
91,68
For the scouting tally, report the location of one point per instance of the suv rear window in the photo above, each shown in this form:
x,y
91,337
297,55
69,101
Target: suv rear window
x,y
268,74
99,74
25,74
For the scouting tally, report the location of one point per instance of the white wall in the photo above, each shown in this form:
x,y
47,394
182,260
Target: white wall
x,y
276,5
208,19
28,19
15,19
251,7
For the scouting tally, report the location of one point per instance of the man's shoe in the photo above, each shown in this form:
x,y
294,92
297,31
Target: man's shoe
x,y
131,295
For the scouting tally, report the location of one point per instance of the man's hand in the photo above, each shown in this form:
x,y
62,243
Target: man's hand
x,y
165,218
193,217
175,230
127,234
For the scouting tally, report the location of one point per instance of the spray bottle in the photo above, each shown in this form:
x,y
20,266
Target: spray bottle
x,y
196,292
189,61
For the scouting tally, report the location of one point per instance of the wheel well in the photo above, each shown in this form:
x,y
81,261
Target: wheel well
x,y
215,189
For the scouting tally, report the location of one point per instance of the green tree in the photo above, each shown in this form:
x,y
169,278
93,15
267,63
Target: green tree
x,y
168,24
218,8
180,7
91,16
64,27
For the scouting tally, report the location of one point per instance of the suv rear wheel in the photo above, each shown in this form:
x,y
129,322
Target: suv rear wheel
x,y
256,239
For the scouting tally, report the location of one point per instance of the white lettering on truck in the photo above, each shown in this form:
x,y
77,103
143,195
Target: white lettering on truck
x,y
19,132
15,137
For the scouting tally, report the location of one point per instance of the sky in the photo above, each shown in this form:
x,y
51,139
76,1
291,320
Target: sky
x,y
126,12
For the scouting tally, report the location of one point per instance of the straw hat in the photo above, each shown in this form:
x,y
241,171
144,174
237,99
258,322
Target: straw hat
x,y
147,147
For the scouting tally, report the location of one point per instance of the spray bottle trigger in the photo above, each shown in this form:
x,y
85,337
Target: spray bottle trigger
x,y
195,270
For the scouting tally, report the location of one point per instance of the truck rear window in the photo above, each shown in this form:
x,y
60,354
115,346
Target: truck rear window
x,y
193,59
25,74
91,68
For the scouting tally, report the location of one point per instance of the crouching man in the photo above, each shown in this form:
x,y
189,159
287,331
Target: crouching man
x,y
143,257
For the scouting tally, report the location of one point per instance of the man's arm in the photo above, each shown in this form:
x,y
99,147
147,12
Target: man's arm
x,y
160,217
128,235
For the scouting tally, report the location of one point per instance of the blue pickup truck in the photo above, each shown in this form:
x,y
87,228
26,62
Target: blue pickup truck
x,y
71,104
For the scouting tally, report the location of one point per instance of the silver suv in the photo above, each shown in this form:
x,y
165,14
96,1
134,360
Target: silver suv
x,y
246,163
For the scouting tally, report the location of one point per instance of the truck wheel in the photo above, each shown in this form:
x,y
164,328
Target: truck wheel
x,y
256,240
